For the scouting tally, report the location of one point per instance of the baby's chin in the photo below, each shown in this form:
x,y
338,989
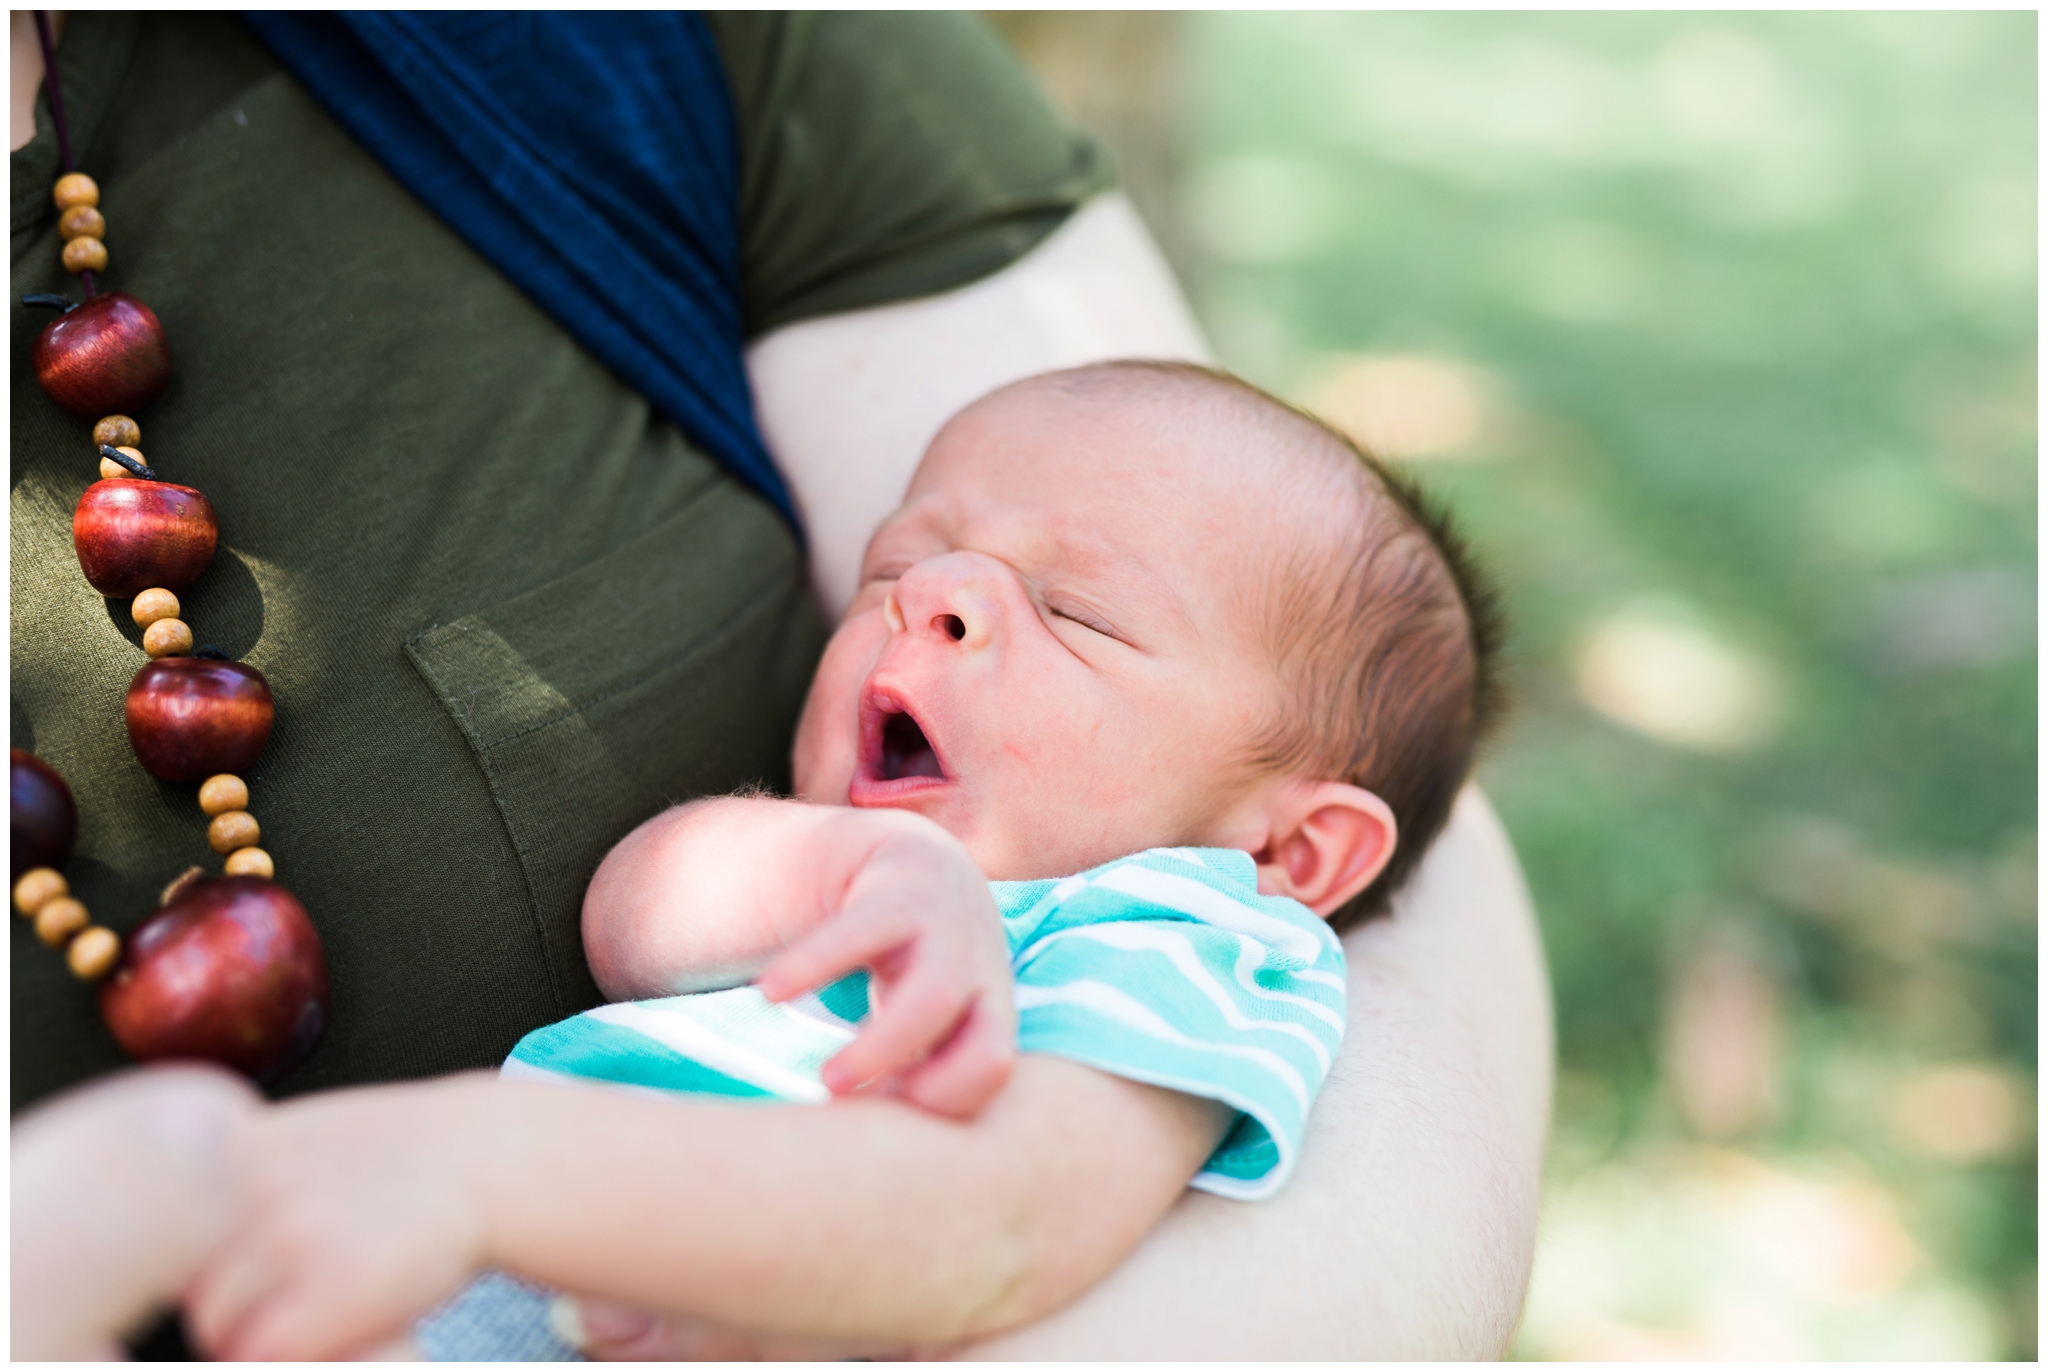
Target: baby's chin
x,y
1037,851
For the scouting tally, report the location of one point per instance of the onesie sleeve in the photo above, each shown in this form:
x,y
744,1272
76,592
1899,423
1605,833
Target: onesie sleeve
x,y
1170,968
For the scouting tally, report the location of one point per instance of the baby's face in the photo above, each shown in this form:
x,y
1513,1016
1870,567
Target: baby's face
x,y
1055,652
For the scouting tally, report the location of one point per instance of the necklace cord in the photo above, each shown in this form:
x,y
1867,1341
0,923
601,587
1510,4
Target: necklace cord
x,y
113,454
55,89
50,85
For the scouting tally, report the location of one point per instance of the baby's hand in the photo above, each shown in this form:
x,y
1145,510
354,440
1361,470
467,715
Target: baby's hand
x,y
355,1214
917,915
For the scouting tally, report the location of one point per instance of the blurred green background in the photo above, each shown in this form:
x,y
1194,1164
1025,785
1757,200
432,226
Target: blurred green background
x,y
1720,332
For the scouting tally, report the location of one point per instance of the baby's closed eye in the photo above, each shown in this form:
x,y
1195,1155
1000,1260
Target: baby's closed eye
x,y
1081,615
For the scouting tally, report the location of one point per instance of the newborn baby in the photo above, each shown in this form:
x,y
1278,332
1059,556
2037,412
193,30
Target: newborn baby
x,y
1150,683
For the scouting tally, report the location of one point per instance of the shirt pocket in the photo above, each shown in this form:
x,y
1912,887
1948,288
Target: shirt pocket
x,y
671,667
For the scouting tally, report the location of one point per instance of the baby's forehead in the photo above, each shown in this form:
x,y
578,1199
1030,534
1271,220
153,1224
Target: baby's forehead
x,y
1184,446
1238,505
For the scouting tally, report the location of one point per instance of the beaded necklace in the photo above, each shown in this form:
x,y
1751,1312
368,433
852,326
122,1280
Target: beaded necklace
x,y
230,968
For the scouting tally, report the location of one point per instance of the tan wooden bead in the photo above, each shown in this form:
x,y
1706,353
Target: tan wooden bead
x,y
82,221
93,953
235,829
38,885
75,188
168,638
117,431
250,862
153,604
220,794
59,919
85,255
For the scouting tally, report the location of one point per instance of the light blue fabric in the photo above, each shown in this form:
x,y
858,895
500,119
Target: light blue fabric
x,y
496,1318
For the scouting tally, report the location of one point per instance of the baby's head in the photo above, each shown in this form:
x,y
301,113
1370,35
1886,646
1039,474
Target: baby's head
x,y
1137,605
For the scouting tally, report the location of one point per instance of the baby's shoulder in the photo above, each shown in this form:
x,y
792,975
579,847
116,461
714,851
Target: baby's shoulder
x,y
1214,892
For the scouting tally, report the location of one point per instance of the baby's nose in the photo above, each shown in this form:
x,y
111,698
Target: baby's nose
x,y
959,598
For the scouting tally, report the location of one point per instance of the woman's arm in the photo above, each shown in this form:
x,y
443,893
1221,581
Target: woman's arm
x,y
864,1220
1408,1229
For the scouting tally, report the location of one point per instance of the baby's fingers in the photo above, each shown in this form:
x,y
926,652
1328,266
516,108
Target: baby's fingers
x,y
224,1293
275,1292
831,950
297,1323
310,1315
966,1072
915,1016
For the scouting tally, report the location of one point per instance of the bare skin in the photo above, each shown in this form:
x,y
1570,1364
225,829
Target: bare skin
x,y
706,896
144,1153
25,73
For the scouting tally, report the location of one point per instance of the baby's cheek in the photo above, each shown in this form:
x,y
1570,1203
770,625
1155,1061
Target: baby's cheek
x,y
1078,797
827,745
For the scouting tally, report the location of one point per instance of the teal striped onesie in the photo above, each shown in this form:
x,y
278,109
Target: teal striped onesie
x,y
1167,967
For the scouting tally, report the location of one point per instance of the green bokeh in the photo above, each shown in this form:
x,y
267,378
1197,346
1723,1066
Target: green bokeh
x,y
1756,297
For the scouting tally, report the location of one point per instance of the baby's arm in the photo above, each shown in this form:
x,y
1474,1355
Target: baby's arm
x,y
702,896
745,887
869,1220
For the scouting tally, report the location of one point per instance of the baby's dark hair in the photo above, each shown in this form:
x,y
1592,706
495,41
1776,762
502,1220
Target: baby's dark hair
x,y
1393,666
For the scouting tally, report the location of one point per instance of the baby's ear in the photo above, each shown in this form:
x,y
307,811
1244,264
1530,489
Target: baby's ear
x,y
1327,841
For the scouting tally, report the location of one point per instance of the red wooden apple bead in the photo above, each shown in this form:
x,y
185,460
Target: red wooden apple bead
x,y
132,536
40,812
105,357
190,717
232,972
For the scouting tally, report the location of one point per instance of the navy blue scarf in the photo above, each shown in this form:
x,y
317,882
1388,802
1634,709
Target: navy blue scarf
x,y
591,157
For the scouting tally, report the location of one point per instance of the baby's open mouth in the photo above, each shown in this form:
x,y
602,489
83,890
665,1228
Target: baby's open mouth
x,y
898,760
905,751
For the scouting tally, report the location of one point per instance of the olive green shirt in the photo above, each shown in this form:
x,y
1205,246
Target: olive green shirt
x,y
507,610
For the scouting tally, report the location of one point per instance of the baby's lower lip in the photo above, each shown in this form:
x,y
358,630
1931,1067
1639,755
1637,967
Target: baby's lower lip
x,y
871,791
